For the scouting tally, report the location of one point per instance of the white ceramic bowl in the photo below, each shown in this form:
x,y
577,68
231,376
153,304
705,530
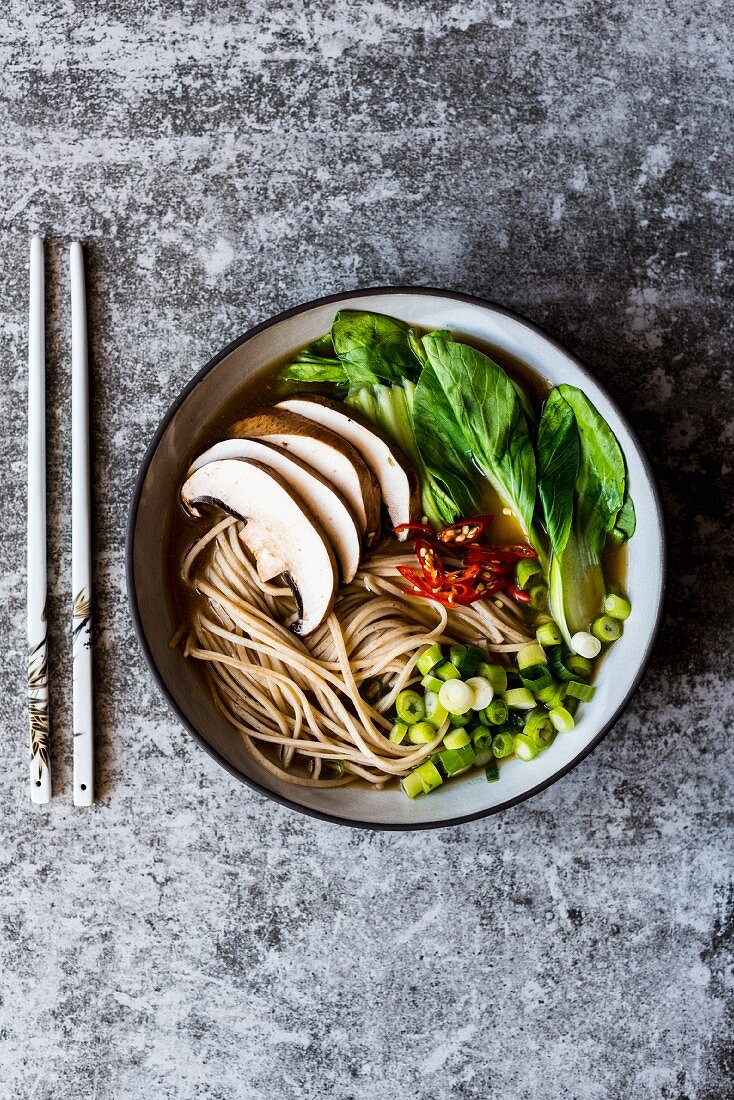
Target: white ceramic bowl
x,y
156,490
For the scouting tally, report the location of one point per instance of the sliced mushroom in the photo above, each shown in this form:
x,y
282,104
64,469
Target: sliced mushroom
x,y
397,479
319,495
280,532
326,452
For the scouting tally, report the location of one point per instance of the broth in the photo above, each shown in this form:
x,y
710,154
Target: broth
x,y
265,389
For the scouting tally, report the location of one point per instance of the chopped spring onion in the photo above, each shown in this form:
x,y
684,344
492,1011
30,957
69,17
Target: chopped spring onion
x,y
523,746
429,658
526,569
481,739
456,696
456,739
429,775
503,744
584,692
547,694
496,674
483,692
519,699
570,704
436,714
495,714
455,761
431,683
536,677
585,644
422,733
540,729
561,719
558,696
579,666
491,771
515,720
448,671
412,784
458,721
617,606
545,735
539,597
398,732
473,660
410,706
548,634
558,664
532,654
606,629
466,658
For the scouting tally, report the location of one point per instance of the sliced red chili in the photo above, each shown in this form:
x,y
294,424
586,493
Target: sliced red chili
x,y
459,585
461,595
411,575
497,553
460,576
466,530
415,530
491,579
490,564
420,588
518,550
516,593
430,563
485,585
456,590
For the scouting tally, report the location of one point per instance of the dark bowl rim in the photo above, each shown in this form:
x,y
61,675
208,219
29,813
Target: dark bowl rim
x,y
294,311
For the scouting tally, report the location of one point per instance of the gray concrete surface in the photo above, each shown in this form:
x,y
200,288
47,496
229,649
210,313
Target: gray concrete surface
x,y
187,939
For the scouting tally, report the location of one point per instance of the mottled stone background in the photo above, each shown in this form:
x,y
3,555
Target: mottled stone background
x,y
186,938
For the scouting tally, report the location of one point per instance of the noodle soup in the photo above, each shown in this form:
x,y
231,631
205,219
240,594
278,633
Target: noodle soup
x,y
364,567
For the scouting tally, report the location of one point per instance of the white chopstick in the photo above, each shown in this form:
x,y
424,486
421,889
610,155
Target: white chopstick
x,y
81,551
40,761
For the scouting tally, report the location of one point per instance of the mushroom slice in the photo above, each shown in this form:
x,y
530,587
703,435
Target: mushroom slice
x,y
396,478
279,531
326,452
332,512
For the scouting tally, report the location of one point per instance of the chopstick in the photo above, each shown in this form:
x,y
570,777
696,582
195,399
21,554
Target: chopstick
x,y
81,554
40,761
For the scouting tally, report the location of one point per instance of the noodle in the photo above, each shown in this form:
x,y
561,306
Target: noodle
x,y
302,696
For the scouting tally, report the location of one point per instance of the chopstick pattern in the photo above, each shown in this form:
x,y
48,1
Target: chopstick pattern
x,y
38,706
81,615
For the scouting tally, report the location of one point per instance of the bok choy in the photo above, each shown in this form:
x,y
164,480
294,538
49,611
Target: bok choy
x,y
582,487
391,410
482,423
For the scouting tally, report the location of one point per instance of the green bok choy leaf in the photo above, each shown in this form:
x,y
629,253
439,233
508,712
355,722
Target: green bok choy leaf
x,y
373,347
317,362
484,419
391,410
582,488
442,444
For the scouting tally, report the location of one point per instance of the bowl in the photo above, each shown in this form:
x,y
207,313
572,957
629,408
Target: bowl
x,y
156,490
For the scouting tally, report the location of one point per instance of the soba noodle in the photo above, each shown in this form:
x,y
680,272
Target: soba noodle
x,y
296,702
